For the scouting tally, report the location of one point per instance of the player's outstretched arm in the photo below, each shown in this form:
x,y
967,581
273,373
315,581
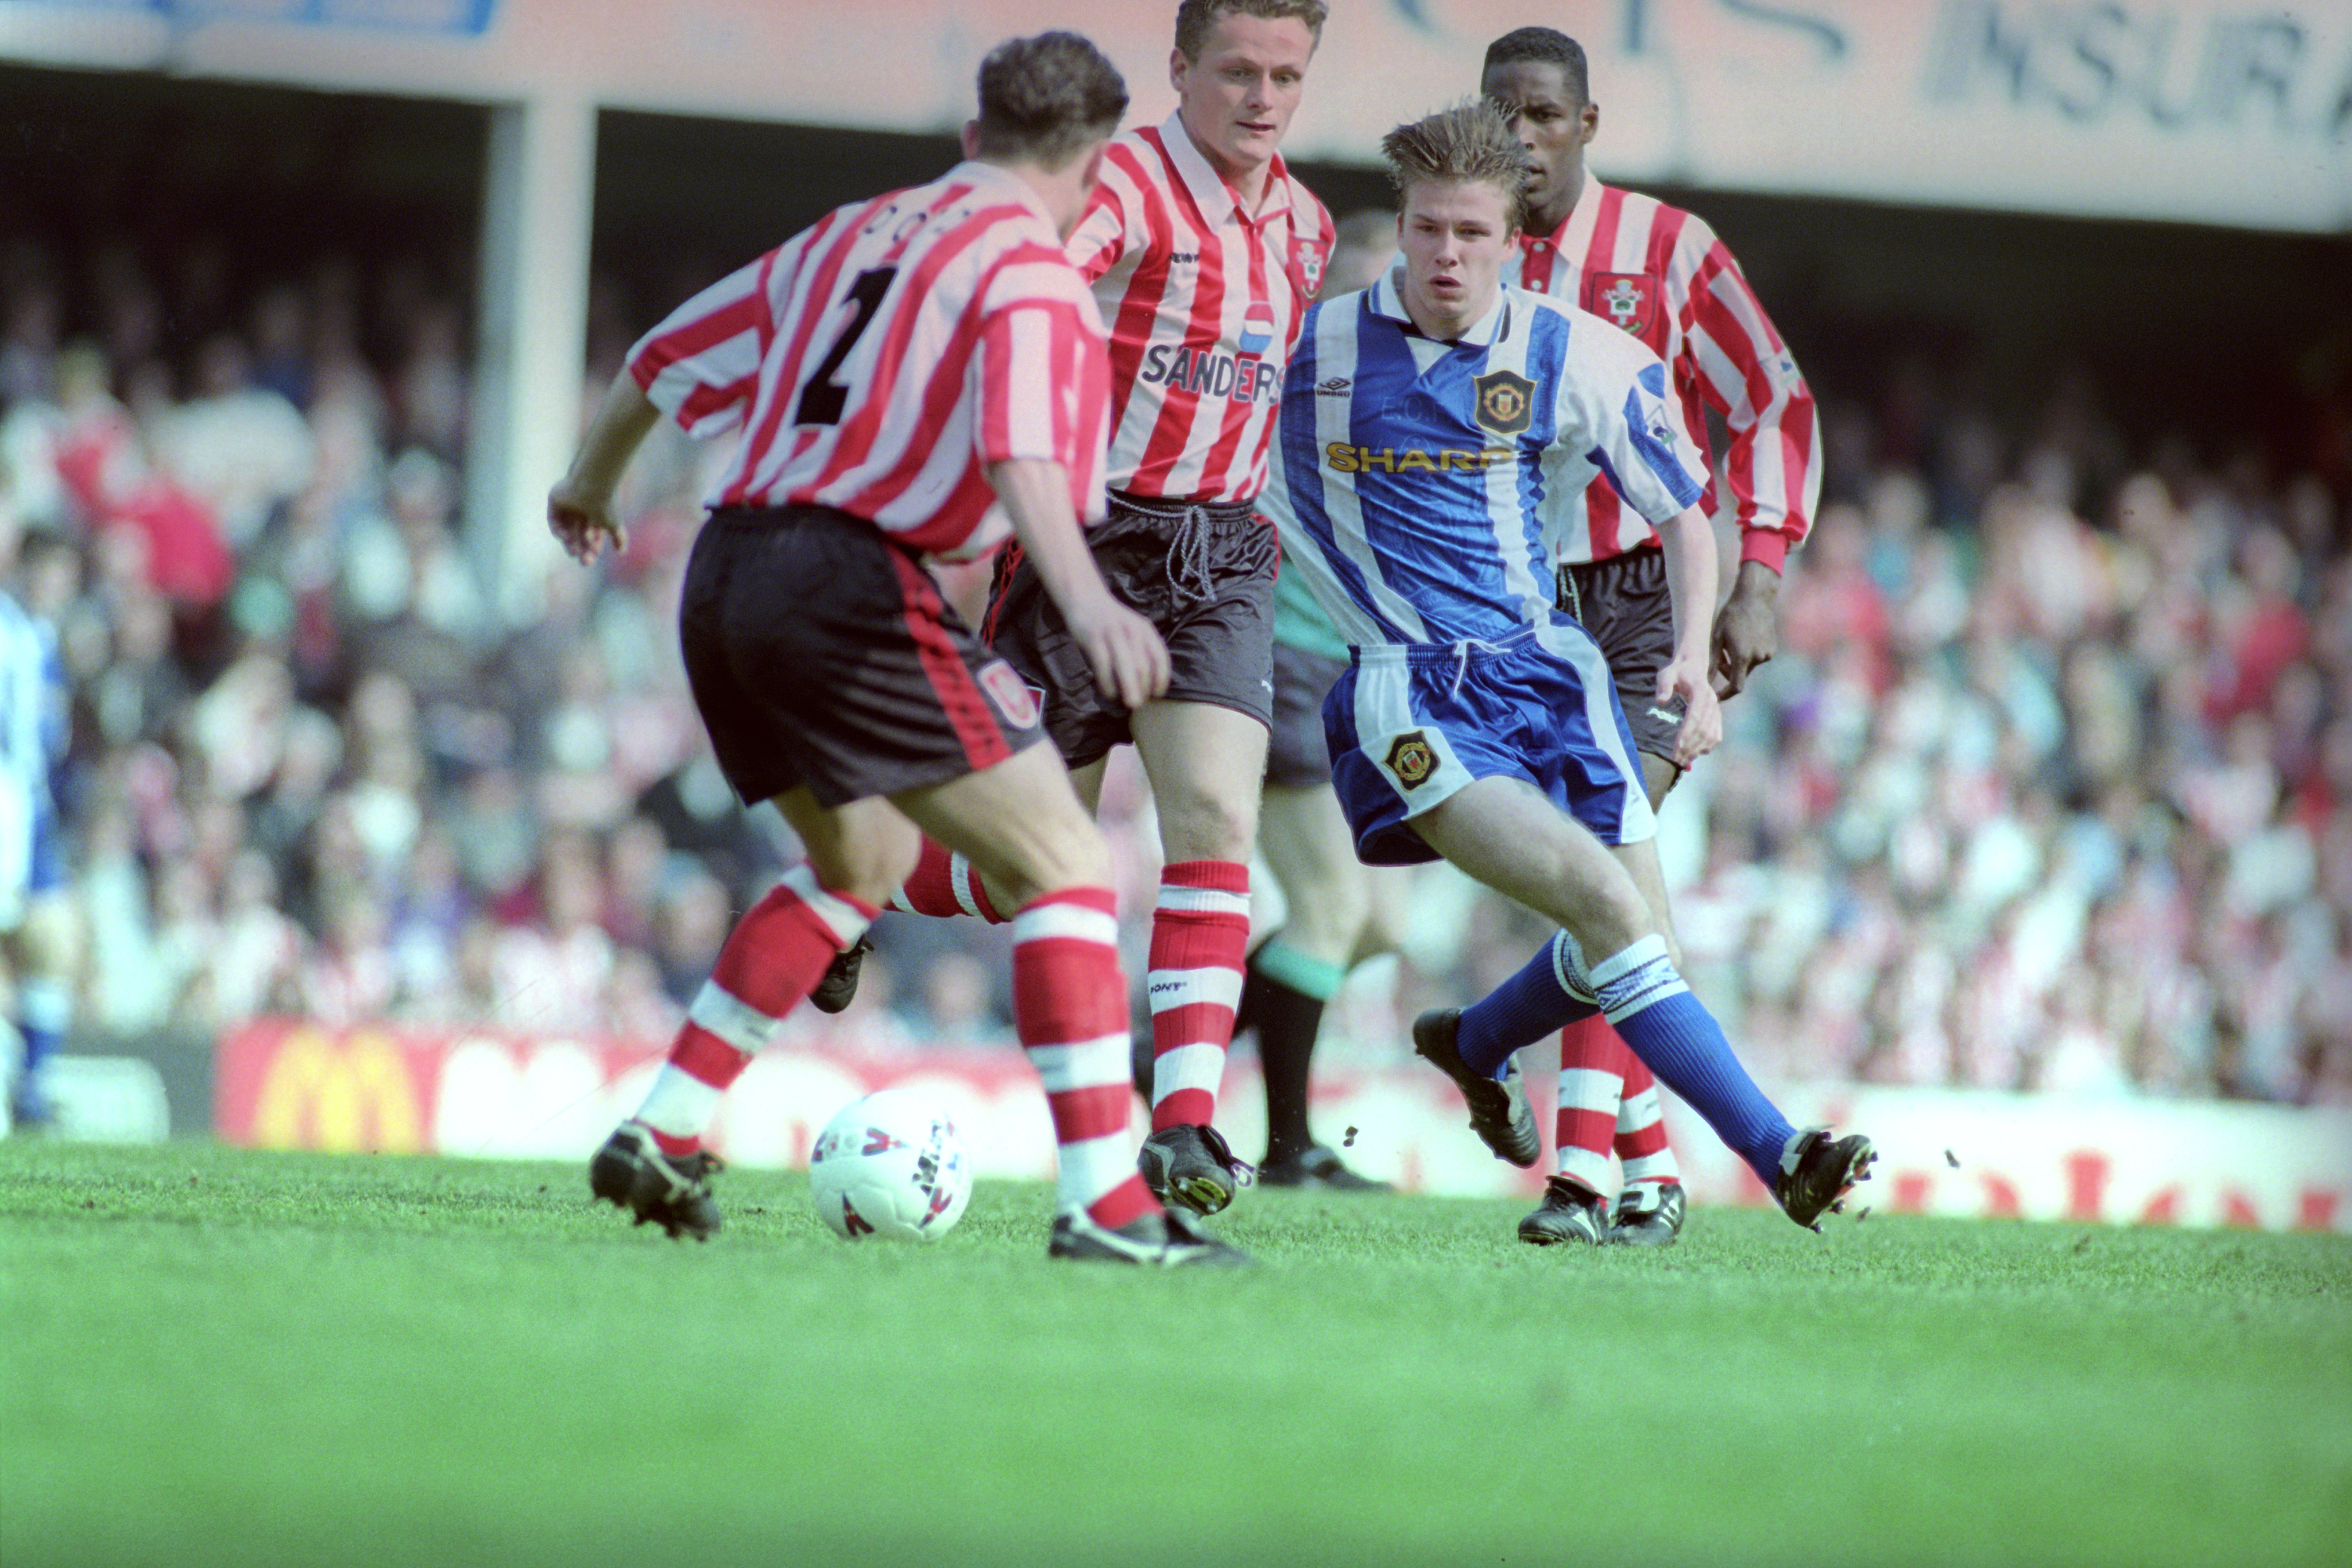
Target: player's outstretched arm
x,y
1129,661
1689,543
580,507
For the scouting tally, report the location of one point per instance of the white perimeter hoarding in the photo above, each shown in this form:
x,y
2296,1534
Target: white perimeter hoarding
x,y
2203,110
287,1083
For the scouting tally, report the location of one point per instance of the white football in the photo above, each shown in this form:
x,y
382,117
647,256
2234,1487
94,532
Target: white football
x,y
890,1166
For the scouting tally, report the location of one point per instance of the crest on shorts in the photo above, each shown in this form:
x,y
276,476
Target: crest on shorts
x,y
1010,692
1507,402
1628,299
1411,759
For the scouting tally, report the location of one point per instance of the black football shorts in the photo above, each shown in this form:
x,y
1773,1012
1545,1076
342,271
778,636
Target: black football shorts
x,y
1624,603
819,653
1202,575
1296,755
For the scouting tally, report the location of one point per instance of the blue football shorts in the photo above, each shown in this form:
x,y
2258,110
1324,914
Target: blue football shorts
x,y
1410,725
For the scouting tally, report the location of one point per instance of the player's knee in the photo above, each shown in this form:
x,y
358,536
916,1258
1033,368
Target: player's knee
x,y
1331,916
1072,855
1207,825
1607,914
870,869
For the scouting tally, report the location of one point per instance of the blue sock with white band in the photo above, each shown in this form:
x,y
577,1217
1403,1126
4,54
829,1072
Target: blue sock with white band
x,y
1643,997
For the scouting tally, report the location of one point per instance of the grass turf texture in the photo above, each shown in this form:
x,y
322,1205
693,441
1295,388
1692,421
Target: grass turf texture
x,y
221,1356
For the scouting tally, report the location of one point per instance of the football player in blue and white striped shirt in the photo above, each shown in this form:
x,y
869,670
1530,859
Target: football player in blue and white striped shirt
x,y
39,933
1422,424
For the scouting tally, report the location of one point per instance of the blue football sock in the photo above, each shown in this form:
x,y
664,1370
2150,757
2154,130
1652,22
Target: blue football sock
x,y
1531,1004
44,1010
1644,998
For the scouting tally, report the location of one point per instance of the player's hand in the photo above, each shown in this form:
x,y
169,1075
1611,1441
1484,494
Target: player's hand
x,y
1748,627
1702,726
582,521
1129,661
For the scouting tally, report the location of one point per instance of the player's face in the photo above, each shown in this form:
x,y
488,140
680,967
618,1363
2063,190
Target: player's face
x,y
1553,122
1454,236
1237,98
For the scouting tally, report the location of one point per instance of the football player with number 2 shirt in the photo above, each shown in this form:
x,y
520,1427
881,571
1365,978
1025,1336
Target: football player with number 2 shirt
x,y
905,380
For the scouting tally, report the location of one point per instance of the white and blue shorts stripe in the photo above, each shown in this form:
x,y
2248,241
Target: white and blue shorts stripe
x,y
1409,726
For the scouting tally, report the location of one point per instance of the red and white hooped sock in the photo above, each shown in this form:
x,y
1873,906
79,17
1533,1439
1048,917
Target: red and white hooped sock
x,y
773,958
1069,1006
1592,1081
944,884
1641,1131
1200,943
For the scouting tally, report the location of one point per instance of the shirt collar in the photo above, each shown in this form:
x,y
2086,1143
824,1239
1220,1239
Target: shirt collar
x,y
1002,184
1482,333
1211,192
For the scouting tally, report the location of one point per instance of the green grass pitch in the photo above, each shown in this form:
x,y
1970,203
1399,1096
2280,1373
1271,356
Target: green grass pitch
x,y
216,1356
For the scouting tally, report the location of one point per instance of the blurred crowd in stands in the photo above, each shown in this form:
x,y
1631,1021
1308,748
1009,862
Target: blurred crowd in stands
x,y
2050,787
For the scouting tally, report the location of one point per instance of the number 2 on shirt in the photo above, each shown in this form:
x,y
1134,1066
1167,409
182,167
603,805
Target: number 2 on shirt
x,y
823,398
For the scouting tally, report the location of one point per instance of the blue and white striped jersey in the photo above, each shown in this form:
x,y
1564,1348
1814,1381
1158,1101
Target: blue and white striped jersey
x,y
32,740
1410,476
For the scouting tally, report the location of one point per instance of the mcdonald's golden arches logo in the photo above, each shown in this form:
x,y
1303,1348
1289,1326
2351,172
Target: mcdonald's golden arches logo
x,y
343,1095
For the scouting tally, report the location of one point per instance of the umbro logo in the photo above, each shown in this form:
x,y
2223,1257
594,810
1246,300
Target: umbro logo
x,y
1336,387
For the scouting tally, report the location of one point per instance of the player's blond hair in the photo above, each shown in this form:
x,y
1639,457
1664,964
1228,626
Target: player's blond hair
x,y
1046,99
1469,143
1195,17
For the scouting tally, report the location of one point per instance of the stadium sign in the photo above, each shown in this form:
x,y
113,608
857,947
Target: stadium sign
x,y
298,1086
2227,112
1977,1155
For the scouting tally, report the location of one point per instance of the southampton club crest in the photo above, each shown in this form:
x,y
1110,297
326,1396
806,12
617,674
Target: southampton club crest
x,y
1307,265
1014,697
1411,759
1507,402
1628,299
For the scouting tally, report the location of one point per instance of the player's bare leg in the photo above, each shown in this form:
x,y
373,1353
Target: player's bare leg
x,y
1205,763
1026,830
1608,1101
1612,954
655,1165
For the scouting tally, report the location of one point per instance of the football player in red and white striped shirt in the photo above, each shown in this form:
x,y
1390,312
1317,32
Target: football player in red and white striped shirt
x,y
1204,253
893,375
1660,274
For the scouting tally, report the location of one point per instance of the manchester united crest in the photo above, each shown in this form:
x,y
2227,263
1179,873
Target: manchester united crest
x,y
1411,759
1507,402
1628,299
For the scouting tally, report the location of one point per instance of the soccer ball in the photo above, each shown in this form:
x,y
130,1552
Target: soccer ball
x,y
890,1165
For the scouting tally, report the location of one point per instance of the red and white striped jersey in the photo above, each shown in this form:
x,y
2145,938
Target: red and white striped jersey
x,y
879,360
1660,274
1203,301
